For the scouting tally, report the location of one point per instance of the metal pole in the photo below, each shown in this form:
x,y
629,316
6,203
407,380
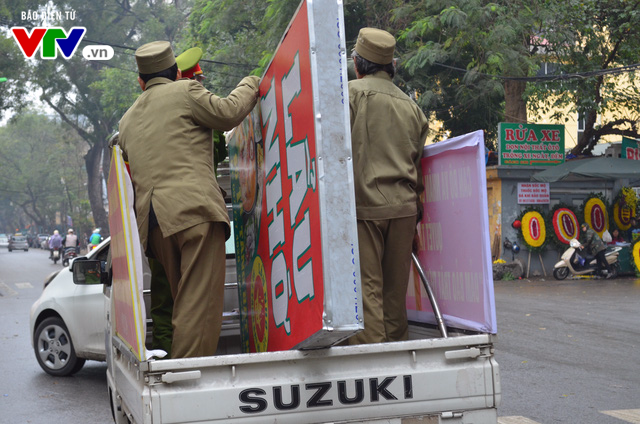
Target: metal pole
x,y
432,298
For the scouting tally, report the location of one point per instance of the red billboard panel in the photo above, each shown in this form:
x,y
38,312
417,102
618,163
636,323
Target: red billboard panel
x,y
279,223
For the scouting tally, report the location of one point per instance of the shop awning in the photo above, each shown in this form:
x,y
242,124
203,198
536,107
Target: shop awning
x,y
603,168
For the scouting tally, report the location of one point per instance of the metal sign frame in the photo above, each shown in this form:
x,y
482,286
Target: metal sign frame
x,y
304,182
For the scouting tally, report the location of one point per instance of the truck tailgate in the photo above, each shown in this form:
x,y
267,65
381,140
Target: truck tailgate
x,y
441,377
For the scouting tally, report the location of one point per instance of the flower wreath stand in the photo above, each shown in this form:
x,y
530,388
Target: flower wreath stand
x,y
533,232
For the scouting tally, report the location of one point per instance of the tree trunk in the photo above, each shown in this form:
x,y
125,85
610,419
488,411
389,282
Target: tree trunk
x,y
515,109
94,180
588,140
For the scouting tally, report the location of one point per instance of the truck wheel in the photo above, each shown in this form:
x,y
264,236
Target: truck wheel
x,y
561,273
54,349
119,417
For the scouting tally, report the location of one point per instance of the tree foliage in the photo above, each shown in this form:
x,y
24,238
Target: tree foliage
x,y
591,36
41,174
13,65
91,97
238,38
457,54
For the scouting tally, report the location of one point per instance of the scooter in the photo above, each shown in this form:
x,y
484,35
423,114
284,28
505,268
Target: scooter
x,y
55,254
69,253
574,263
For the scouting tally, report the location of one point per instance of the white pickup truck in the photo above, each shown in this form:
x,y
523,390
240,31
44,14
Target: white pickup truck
x,y
296,247
428,379
424,380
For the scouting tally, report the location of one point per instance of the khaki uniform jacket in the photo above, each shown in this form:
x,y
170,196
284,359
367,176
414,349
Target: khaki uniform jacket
x,y
166,136
388,134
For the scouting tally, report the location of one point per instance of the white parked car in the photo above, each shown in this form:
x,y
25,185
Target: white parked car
x,y
67,321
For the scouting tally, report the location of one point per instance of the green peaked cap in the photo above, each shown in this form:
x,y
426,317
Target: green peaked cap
x,y
189,58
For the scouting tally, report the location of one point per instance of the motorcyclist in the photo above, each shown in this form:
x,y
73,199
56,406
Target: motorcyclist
x,y
70,240
591,240
95,239
55,242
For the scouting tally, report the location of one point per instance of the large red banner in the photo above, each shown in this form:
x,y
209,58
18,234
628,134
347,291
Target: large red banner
x,y
276,204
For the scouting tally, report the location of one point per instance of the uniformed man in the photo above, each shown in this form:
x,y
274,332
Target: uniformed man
x,y
161,298
388,133
189,64
181,214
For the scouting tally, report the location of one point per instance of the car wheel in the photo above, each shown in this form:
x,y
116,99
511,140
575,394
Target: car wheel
x,y
10,250
561,273
26,250
54,349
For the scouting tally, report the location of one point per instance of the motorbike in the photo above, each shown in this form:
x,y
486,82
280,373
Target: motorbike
x,y
55,254
69,253
572,262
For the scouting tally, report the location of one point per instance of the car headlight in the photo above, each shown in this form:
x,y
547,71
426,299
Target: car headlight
x,y
50,278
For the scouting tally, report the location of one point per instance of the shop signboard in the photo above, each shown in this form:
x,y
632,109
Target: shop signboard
x,y
533,194
630,148
454,249
126,259
293,195
530,144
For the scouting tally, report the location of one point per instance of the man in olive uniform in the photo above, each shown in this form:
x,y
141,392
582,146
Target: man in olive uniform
x,y
161,298
592,241
189,64
388,133
181,214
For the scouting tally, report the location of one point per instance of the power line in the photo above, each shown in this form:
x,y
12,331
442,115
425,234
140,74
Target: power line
x,y
556,77
216,62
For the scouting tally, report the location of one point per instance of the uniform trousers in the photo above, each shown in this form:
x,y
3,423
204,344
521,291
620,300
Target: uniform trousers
x,y
194,261
161,308
385,260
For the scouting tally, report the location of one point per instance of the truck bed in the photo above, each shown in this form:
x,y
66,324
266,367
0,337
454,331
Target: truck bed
x,y
454,379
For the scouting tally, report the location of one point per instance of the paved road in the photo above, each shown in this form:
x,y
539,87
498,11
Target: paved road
x,y
27,394
568,353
